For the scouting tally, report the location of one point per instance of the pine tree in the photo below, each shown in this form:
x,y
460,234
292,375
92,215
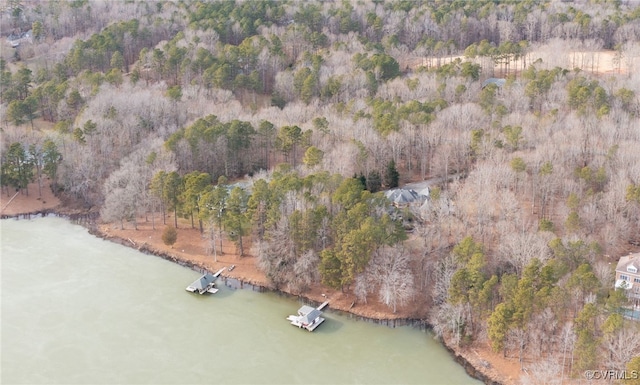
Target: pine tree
x,y
391,175
373,181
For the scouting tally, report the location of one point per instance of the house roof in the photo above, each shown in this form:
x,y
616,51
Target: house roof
x,y
425,191
497,81
627,261
403,195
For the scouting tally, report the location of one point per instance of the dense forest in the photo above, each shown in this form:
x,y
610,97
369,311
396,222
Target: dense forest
x,y
281,122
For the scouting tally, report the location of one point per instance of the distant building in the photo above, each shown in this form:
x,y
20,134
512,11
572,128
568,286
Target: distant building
x,y
628,276
16,38
403,197
499,82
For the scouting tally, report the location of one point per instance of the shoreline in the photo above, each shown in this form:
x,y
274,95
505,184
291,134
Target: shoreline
x,y
392,321
476,369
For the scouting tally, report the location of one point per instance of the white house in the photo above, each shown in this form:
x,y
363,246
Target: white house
x,y
628,276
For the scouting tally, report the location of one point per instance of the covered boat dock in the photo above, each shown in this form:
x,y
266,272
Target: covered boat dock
x,y
308,317
205,284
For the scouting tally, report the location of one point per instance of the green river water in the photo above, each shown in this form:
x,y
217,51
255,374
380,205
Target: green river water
x,y
80,310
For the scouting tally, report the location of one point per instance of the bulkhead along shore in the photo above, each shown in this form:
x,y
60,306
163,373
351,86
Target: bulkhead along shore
x,y
244,275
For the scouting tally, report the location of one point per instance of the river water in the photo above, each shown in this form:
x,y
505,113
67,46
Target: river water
x,y
80,310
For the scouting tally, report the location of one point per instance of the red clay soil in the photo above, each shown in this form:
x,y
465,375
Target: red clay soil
x,y
190,246
37,200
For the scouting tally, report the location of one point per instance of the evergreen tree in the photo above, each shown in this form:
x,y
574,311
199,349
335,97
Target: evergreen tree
x,y
173,185
51,158
587,342
195,184
169,236
633,372
236,222
213,203
391,175
373,181
17,169
498,326
313,156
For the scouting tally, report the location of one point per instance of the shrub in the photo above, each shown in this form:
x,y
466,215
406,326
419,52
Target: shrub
x,y
169,236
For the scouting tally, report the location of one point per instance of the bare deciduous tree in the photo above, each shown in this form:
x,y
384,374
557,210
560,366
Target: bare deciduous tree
x,y
396,278
519,248
621,346
450,321
444,270
305,270
545,372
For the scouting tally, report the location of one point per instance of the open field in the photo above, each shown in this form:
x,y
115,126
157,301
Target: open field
x,y
598,62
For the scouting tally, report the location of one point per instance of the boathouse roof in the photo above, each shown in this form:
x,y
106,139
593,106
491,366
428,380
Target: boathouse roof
x,y
308,314
203,281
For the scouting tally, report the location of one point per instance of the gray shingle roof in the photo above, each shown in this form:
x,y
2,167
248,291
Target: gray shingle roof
x,y
203,281
401,195
497,81
628,260
308,314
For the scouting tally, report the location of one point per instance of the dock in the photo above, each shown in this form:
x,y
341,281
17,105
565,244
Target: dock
x,y
308,317
205,284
